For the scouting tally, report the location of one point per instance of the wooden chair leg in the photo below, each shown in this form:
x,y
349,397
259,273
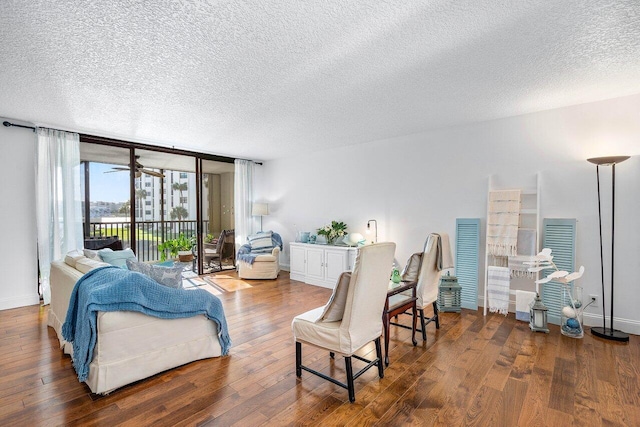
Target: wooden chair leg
x,y
385,322
332,355
423,324
414,318
379,356
350,386
298,359
435,314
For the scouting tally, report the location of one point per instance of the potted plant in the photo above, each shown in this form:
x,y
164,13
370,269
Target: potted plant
x,y
332,232
180,247
210,242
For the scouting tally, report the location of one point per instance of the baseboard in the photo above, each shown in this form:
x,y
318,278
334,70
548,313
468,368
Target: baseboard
x,y
285,267
629,326
21,301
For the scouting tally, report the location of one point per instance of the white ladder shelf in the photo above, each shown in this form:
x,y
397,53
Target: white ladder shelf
x,y
529,218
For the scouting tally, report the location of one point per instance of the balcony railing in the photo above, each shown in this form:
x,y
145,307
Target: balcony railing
x,y
149,234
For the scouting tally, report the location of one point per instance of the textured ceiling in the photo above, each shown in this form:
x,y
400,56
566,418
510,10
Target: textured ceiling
x,y
264,80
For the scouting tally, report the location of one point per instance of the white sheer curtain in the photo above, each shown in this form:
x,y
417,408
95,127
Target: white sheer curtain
x,y
243,198
58,200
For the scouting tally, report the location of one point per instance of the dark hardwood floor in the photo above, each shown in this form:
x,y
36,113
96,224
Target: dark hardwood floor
x,y
480,371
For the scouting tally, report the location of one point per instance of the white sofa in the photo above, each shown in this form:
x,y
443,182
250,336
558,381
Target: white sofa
x,y
130,346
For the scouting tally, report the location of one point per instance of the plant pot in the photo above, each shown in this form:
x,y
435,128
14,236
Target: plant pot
x,y
185,256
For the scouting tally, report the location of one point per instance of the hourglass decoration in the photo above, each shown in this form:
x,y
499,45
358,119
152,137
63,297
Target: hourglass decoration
x,y
571,319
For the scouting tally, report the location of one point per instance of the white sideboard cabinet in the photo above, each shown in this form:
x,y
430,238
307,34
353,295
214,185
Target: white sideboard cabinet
x,y
319,265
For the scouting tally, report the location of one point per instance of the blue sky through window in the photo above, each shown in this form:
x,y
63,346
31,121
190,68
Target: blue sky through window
x,y
108,187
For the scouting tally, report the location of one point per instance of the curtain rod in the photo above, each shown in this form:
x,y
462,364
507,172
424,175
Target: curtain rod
x,y
9,124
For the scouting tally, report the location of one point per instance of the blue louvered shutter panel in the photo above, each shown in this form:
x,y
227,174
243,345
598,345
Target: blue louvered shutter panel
x,y
467,254
559,235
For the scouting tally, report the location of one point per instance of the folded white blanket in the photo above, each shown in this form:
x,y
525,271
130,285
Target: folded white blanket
x,y
523,302
502,223
498,284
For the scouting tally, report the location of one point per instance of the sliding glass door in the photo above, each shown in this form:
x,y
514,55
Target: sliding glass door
x,y
217,215
148,197
166,202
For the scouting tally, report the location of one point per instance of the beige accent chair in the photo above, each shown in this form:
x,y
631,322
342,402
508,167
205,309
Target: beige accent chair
x,y
264,266
360,322
426,267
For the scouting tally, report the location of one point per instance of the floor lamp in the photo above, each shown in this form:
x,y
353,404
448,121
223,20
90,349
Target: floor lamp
x,y
604,332
260,209
369,228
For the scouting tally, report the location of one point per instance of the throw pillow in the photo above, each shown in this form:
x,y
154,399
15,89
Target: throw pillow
x,y
334,310
91,254
117,258
85,265
72,257
410,272
261,242
167,276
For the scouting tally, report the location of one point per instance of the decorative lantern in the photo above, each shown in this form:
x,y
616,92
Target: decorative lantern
x,y
449,294
538,316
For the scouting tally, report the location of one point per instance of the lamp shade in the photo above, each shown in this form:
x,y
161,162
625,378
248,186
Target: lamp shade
x,y
607,161
259,209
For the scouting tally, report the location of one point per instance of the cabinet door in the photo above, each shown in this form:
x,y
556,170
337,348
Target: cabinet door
x,y
315,263
335,263
297,260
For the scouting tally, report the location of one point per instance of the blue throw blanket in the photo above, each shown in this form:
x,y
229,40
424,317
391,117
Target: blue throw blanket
x,y
115,289
245,254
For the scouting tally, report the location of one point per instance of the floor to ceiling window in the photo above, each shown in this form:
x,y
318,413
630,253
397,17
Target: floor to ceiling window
x,y
105,184
146,195
166,205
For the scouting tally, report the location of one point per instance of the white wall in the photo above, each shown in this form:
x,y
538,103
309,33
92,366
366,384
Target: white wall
x,y
18,256
419,184
412,186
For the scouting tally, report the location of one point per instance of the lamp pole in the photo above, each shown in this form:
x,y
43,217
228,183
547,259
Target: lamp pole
x,y
369,228
610,333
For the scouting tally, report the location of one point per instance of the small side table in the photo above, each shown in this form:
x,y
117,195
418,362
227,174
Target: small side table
x,y
393,308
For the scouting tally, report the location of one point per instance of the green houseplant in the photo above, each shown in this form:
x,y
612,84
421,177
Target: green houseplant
x,y
179,247
333,231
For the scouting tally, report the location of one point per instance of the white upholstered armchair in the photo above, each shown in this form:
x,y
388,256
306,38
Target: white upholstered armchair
x,y
260,257
353,316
